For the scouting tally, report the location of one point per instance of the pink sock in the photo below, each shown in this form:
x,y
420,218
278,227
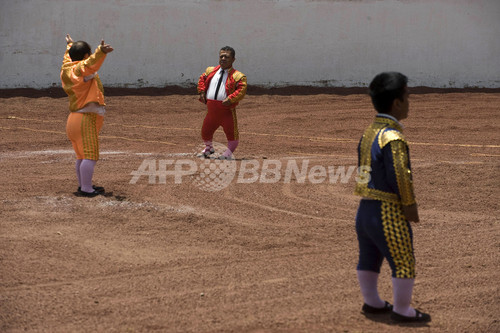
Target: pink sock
x,y
77,167
402,290
368,283
86,173
208,146
231,147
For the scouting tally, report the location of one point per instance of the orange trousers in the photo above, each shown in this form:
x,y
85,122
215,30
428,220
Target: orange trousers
x,y
219,115
83,131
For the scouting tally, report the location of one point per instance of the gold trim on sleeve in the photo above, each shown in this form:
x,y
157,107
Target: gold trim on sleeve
x,y
403,172
388,136
367,140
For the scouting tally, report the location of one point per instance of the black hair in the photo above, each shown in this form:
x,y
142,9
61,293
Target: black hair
x,y
230,49
78,50
385,88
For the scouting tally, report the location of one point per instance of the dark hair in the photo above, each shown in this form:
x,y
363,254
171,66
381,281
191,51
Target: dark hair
x,y
385,88
230,49
78,50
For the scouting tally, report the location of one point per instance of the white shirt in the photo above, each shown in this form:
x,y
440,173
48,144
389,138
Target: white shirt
x,y
221,95
93,108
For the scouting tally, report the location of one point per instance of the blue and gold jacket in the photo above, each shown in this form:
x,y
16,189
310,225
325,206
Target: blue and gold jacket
x,y
384,163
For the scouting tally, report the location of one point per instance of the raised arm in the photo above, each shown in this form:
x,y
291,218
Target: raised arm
x,y
92,64
69,42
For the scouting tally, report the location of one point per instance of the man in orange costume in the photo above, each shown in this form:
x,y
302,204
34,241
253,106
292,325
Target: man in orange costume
x,y
86,104
221,88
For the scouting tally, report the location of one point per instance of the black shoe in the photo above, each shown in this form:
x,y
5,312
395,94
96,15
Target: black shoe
x,y
207,152
87,194
96,188
372,310
420,317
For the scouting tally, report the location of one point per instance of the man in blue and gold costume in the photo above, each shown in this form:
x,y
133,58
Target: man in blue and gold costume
x,y
388,202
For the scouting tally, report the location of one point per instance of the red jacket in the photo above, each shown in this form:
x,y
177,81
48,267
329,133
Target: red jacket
x,y
236,84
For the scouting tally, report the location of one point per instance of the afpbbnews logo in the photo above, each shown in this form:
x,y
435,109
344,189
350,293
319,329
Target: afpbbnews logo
x,y
214,174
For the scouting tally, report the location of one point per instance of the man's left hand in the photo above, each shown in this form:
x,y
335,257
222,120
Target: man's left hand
x,y
226,102
411,213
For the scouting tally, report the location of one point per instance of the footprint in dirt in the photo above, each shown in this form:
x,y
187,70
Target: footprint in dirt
x,y
104,194
116,197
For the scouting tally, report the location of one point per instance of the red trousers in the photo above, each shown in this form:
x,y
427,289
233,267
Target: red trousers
x,y
219,115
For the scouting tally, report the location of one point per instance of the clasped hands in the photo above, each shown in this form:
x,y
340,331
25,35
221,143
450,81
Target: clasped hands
x,y
203,98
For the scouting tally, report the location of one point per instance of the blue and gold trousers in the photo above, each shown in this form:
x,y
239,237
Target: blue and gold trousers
x,y
384,232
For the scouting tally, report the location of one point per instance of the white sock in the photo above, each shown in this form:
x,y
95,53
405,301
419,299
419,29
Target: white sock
x,y
77,167
368,283
86,173
402,290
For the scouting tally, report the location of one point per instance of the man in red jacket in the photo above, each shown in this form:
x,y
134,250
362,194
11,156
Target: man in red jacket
x,y
221,88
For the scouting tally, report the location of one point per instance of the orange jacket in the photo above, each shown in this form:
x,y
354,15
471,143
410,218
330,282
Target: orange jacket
x,y
82,92
236,84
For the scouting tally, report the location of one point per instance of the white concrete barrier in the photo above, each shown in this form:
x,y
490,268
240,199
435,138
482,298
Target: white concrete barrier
x,y
437,43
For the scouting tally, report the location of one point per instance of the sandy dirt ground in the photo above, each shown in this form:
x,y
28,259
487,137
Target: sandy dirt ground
x,y
228,249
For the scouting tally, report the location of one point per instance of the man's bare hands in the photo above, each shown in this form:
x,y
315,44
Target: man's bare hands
x,y
106,48
411,213
226,102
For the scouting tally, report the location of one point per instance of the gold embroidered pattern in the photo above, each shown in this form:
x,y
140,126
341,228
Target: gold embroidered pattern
x,y
369,135
90,137
209,70
388,136
238,76
403,173
397,235
99,83
235,125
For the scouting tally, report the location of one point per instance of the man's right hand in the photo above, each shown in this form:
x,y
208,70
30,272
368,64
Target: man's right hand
x,y
411,213
106,48
68,39
203,97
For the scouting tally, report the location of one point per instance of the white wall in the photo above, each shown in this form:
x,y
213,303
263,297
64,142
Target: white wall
x,y
437,43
